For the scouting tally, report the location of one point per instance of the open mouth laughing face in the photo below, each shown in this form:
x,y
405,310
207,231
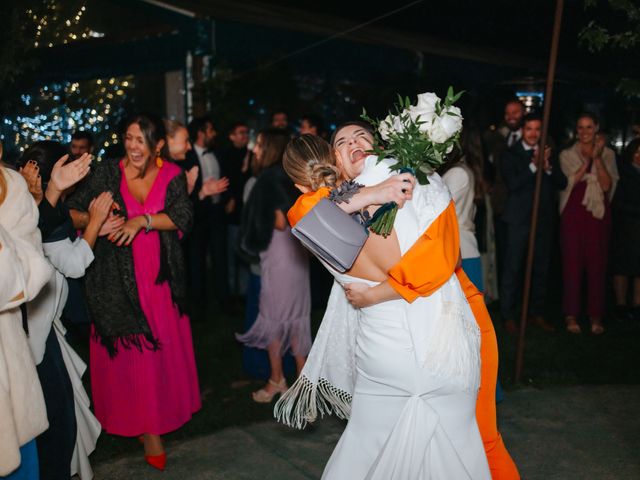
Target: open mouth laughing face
x,y
136,146
352,144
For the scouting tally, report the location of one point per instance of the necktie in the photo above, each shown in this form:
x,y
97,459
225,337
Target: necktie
x,y
512,138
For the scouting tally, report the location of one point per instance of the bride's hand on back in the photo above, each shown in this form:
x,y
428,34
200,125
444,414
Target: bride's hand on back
x,y
361,295
358,294
398,189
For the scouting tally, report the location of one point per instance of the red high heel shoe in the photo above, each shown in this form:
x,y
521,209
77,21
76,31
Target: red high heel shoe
x,y
157,461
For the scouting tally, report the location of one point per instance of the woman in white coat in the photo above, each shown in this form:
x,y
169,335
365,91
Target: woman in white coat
x,y
23,272
73,430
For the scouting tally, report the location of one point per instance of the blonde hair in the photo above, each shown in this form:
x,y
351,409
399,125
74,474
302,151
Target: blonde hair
x,y
172,127
3,180
309,161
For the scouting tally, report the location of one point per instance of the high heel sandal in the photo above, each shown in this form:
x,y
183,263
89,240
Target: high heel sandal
x,y
596,326
262,396
572,325
157,461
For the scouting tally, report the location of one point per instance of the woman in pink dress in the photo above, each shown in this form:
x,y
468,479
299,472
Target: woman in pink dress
x,y
143,372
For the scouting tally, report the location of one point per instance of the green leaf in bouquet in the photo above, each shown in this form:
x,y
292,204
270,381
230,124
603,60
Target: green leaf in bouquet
x,y
457,96
396,166
421,177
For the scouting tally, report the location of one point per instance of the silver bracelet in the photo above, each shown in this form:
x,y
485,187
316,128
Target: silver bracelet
x,y
147,229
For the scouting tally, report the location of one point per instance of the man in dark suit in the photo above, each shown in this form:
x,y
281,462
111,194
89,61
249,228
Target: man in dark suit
x,y
235,160
208,235
519,167
496,142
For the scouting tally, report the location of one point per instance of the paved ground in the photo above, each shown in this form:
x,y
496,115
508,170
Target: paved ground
x,y
564,433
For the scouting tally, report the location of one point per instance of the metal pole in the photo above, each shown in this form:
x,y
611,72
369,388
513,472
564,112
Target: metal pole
x,y
553,56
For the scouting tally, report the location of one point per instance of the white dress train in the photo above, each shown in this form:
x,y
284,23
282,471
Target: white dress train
x,y
405,424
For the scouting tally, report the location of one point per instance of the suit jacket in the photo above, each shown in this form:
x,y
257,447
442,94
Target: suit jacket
x,y
231,160
205,208
521,180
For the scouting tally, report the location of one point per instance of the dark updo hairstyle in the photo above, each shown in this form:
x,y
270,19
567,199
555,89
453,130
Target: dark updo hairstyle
x,y
45,153
273,143
358,123
153,131
590,115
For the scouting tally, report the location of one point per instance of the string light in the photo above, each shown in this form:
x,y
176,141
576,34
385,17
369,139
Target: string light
x,y
61,31
54,111
84,108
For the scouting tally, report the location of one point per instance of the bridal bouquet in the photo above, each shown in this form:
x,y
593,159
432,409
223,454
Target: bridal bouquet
x,y
418,137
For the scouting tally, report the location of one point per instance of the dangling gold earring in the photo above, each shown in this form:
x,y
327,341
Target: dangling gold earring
x,y
159,161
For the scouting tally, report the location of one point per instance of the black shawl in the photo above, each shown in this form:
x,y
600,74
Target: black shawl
x,y
112,293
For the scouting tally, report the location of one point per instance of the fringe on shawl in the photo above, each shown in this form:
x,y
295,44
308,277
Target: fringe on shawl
x,y
302,403
139,341
454,351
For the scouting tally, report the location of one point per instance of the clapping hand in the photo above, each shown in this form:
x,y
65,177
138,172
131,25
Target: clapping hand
x,y
99,208
213,186
31,174
545,160
598,148
192,176
111,224
128,231
65,175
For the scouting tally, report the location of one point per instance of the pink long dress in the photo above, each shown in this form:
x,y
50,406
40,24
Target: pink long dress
x,y
148,392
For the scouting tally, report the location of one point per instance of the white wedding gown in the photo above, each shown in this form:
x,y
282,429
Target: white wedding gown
x,y
417,373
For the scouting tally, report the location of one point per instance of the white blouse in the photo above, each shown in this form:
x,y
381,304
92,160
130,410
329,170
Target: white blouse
x,y
460,181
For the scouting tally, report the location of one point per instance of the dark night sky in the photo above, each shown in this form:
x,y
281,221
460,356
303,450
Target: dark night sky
x,y
517,27
521,28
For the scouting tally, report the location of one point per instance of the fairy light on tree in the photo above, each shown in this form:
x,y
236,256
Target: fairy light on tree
x,y
55,111
57,22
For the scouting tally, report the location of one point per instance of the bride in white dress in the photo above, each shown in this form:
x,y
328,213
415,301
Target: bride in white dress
x,y
405,374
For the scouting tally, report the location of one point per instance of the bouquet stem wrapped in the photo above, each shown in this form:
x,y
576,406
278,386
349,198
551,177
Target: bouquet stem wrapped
x,y
419,137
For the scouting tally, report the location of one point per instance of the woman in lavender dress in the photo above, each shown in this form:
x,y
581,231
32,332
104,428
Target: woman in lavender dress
x,y
285,300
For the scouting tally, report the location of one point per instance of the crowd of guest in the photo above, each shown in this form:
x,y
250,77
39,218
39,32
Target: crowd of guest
x,y
131,249
585,206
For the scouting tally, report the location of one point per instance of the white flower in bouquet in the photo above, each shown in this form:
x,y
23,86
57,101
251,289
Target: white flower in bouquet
x,y
446,125
424,110
428,102
418,137
391,123
422,118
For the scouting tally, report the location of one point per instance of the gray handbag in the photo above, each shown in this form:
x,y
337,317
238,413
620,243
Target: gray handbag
x,y
331,234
